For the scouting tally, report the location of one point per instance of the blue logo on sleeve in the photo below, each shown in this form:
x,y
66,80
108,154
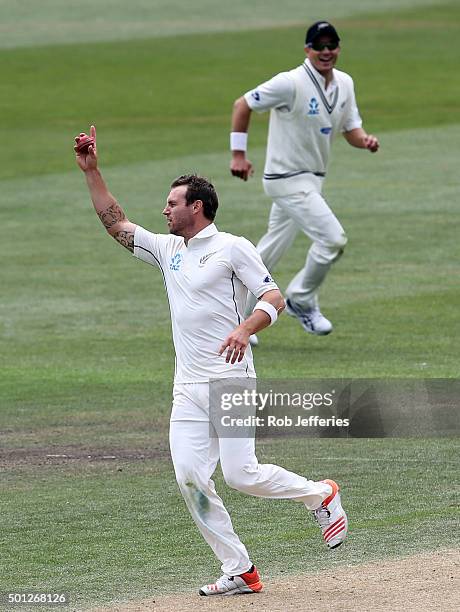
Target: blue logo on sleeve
x,y
176,261
314,107
268,279
326,130
256,95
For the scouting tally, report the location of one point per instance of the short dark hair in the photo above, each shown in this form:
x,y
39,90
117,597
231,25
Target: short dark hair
x,y
199,188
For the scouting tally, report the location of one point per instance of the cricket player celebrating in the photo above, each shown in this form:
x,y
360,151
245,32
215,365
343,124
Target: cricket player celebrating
x,y
207,276
308,107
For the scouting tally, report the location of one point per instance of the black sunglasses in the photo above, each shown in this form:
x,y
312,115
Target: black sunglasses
x,y
320,46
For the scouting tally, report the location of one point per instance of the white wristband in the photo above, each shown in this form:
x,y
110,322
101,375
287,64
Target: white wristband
x,y
268,308
238,141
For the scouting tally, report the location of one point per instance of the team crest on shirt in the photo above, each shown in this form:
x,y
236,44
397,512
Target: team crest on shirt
x,y
176,261
205,258
313,107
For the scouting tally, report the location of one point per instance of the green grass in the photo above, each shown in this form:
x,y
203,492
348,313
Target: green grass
x,y
138,92
108,531
27,23
87,361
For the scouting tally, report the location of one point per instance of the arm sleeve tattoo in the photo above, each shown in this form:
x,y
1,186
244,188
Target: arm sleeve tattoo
x,y
126,239
111,215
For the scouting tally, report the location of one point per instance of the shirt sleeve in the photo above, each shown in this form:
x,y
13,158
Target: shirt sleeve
x,y
352,118
249,268
149,247
278,92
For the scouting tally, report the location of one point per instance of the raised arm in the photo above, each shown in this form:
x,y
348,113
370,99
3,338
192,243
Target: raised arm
x,y
239,165
106,206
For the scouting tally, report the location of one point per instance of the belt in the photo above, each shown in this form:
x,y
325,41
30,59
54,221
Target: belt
x,y
275,177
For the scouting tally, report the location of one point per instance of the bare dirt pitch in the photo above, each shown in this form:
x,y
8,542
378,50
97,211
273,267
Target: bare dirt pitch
x,y
429,581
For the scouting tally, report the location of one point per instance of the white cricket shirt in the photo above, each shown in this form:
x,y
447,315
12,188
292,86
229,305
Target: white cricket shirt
x,y
304,118
207,283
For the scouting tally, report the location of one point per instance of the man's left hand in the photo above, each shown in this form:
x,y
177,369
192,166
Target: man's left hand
x,y
371,143
236,343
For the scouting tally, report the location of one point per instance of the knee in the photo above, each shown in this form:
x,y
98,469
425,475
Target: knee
x,y
238,477
337,242
330,250
197,495
183,480
233,480
336,251
186,476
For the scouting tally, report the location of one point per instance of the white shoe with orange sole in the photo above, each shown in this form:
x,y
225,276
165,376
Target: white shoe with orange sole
x,y
249,582
332,517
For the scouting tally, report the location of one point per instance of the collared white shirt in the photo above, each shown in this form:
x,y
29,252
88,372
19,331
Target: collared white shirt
x,y
304,118
279,92
207,282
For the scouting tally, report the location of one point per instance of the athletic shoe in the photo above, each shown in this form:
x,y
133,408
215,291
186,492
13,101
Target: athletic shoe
x,y
253,340
332,518
311,319
249,582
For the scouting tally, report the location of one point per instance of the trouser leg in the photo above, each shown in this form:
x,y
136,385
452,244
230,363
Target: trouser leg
x,y
303,288
195,455
243,472
310,212
280,234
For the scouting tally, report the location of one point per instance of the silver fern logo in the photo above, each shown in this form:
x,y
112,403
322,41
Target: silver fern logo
x,y
205,258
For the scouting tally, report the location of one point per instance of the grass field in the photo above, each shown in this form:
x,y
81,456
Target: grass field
x,y
86,355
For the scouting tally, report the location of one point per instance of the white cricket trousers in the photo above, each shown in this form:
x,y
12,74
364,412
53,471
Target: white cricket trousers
x,y
195,455
307,211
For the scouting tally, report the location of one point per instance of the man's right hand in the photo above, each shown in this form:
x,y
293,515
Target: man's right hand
x,y
87,160
240,166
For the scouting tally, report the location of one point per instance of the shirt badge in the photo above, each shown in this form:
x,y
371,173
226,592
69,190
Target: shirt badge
x,y
176,261
313,107
205,258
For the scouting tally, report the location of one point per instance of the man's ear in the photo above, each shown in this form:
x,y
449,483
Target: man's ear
x,y
197,206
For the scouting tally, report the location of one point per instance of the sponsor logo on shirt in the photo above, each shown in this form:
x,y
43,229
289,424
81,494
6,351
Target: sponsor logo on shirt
x,y
176,261
256,95
314,107
326,130
268,279
205,258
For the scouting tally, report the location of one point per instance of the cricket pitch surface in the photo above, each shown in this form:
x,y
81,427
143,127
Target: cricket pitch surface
x,y
428,581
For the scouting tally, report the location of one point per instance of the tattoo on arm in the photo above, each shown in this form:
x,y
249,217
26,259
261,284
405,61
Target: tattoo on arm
x,y
126,239
111,215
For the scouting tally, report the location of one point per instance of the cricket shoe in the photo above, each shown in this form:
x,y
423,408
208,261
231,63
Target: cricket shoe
x,y
311,319
249,582
332,518
253,340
